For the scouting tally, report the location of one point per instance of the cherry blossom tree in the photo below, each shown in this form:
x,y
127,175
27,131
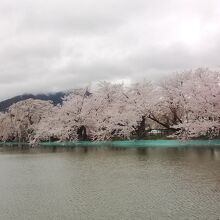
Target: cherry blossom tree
x,y
22,117
70,121
201,104
187,102
7,131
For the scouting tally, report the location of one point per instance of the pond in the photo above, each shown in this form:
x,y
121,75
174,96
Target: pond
x,y
109,183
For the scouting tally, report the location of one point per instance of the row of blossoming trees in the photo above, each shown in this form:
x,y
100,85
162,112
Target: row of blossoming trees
x,y
187,103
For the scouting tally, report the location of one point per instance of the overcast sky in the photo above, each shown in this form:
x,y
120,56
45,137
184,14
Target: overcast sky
x,y
54,45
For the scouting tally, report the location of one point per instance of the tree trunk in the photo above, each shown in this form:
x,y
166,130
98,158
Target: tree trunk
x,y
82,136
141,128
166,125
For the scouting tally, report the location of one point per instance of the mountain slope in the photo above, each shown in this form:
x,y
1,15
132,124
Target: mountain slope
x,y
56,98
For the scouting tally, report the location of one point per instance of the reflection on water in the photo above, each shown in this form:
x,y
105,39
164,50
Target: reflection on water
x,y
109,183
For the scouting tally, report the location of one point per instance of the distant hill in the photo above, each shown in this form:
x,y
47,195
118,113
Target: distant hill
x,y
56,98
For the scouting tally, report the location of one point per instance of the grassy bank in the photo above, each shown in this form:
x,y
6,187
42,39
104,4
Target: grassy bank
x,y
127,143
138,143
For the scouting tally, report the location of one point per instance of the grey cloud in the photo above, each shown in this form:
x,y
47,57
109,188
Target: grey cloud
x,y
58,45
78,17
